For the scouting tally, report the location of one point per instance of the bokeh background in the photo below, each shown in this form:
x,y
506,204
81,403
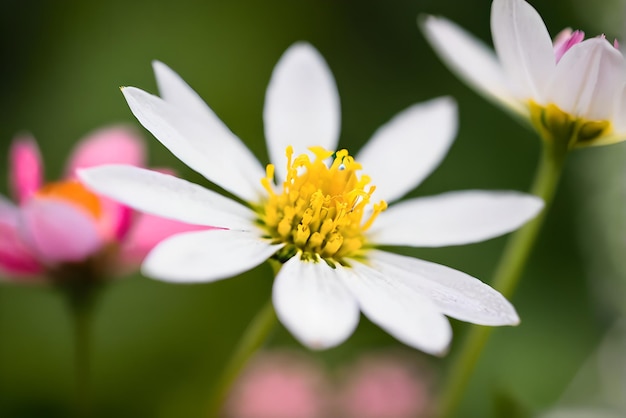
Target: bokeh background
x,y
157,346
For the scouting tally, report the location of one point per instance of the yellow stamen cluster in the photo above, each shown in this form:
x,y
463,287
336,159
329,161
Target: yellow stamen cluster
x,y
322,209
556,125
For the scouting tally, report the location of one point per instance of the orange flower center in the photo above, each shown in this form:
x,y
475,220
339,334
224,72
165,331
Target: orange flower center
x,y
72,191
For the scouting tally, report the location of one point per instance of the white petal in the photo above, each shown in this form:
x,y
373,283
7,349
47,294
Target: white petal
x,y
200,140
301,105
174,90
313,304
457,294
408,148
167,196
524,47
406,315
206,256
454,218
588,79
619,121
618,134
471,60
620,111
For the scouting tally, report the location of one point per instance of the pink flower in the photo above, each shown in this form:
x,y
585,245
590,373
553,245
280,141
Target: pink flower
x,y
59,224
285,384
280,385
390,385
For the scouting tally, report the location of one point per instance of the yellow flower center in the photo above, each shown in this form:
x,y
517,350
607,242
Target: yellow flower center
x,y
556,125
323,210
72,191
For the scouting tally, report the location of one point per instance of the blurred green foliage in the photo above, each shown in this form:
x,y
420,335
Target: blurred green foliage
x,y
159,346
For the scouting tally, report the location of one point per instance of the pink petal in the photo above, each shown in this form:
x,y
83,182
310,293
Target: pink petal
x,y
58,231
561,39
117,145
16,259
106,146
565,40
147,232
26,168
115,221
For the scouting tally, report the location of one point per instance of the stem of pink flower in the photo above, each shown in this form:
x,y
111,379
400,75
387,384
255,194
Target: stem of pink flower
x,y
507,275
252,339
82,318
81,287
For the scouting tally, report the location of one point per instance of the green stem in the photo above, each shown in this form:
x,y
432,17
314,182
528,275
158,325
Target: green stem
x,y
253,338
82,341
81,303
507,275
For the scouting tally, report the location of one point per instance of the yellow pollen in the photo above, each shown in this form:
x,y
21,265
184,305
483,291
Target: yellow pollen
x,y
323,210
73,192
573,131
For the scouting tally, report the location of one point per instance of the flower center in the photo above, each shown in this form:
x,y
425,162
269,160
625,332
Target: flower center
x,y
574,131
323,210
73,192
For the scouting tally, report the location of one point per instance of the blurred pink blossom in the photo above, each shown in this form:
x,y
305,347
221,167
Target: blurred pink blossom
x,y
56,224
291,385
280,385
387,385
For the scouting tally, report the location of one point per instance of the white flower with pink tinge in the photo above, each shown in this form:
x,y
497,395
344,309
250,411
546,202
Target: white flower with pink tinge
x,y
57,224
572,89
313,212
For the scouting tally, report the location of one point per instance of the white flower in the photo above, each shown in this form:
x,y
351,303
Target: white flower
x,y
572,90
321,219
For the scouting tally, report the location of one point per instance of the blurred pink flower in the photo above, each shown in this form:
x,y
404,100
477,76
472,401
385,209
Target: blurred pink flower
x,y
291,385
390,385
53,225
280,385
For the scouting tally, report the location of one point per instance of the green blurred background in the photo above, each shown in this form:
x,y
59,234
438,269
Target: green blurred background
x,y
159,346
